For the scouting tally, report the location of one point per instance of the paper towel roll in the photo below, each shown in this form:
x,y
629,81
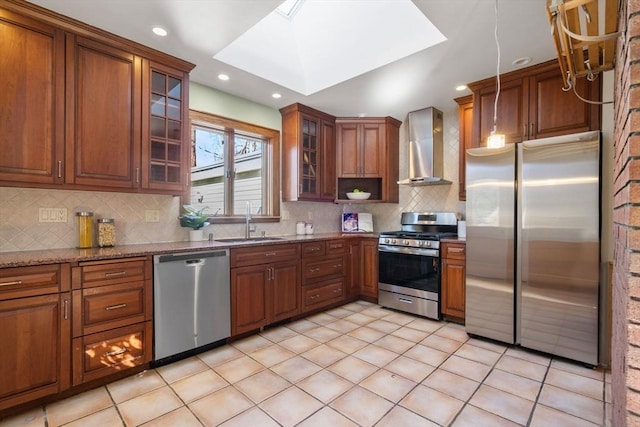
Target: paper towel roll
x,y
462,229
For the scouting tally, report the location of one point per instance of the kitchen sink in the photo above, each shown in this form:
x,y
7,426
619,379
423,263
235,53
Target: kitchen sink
x,y
248,239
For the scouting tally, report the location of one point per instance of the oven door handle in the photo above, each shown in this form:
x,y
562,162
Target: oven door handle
x,y
408,251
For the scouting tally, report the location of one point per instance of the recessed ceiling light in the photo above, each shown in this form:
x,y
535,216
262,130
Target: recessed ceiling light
x,y
223,77
460,88
276,95
159,31
521,61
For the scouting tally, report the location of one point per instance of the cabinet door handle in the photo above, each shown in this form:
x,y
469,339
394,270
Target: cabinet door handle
x,y
406,301
116,274
314,296
313,270
116,352
66,309
114,307
59,168
532,128
270,254
137,175
524,131
336,266
455,250
314,249
15,282
337,291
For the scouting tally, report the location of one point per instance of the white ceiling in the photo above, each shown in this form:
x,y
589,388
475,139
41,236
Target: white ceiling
x,y
200,29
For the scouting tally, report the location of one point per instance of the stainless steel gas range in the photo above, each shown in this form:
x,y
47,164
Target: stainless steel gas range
x,y
409,262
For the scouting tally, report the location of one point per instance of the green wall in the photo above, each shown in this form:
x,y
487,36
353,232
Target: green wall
x,y
206,99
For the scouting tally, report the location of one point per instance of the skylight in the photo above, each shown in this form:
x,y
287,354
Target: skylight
x,y
330,42
289,7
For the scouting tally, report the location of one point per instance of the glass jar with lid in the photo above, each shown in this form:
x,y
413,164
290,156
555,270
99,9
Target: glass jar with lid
x,y
84,226
106,232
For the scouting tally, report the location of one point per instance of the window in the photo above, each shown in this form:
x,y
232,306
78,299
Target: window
x,y
234,167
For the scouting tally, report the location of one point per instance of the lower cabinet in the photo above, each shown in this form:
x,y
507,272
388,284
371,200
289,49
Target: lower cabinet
x,y
264,292
369,270
323,274
112,317
35,331
352,271
453,279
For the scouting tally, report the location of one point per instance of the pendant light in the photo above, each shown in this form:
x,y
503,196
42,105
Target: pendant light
x,y
496,140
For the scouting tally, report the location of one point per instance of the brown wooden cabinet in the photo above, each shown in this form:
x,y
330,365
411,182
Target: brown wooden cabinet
x,y
323,274
465,124
103,122
165,154
368,156
31,100
35,332
308,154
82,108
112,317
369,268
453,279
352,270
532,104
264,286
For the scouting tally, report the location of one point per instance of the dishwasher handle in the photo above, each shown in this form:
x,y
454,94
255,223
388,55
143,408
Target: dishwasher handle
x,y
189,256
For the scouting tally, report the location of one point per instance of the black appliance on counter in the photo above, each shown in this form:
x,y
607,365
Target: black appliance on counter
x,y
409,262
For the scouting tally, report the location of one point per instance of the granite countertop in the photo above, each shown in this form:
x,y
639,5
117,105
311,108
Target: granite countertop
x,y
54,256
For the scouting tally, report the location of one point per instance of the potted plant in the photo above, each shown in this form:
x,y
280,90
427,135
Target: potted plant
x,y
195,219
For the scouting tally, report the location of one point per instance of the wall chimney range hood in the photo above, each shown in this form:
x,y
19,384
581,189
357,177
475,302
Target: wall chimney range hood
x,y
425,148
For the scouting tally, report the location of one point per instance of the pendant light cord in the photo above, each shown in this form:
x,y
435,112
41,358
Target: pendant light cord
x,y
495,106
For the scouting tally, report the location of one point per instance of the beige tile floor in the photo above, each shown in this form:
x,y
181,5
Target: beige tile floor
x,y
356,365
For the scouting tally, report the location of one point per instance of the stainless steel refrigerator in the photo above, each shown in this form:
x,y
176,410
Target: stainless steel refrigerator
x,y
533,244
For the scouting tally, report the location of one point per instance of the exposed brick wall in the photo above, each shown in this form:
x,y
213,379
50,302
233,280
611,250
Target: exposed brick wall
x,y
625,354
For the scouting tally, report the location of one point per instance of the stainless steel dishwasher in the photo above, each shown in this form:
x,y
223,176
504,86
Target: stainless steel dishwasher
x,y
191,302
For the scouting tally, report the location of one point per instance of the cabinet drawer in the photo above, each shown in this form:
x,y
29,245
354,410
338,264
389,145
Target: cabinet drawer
x,y
263,254
108,273
104,353
18,282
335,247
312,249
323,294
108,307
314,270
453,250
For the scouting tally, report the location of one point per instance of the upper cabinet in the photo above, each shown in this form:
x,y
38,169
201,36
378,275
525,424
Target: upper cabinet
x,y
103,127
368,150
165,153
31,100
84,109
308,154
532,104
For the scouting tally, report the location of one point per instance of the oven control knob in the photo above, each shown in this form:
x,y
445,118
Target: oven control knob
x,y
386,240
405,242
428,244
393,241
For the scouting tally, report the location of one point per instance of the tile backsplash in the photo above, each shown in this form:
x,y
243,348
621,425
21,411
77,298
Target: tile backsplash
x,y
20,228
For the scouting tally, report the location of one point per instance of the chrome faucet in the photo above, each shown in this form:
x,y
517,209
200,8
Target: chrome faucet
x,y
247,231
